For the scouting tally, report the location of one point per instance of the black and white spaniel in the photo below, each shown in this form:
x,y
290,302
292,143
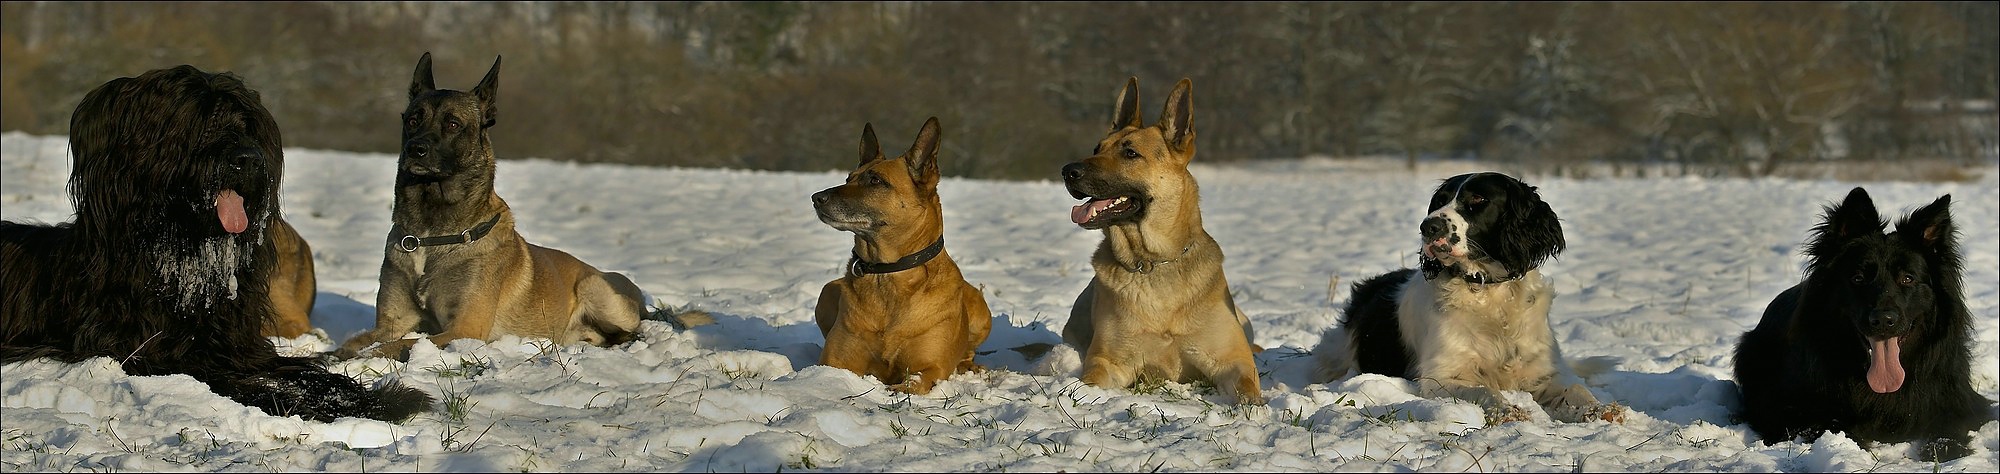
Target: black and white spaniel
x,y
1473,320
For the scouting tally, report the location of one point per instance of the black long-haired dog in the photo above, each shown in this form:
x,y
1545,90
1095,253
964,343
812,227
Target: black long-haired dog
x,y
175,177
1874,343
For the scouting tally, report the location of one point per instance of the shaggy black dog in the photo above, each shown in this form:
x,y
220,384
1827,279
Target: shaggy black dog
x,y
174,180
1874,343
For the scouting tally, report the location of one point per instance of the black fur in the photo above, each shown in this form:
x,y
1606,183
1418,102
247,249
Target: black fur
x,y
1803,369
1372,329
147,274
1513,227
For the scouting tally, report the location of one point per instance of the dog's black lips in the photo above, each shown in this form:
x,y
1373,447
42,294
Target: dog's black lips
x,y
1131,209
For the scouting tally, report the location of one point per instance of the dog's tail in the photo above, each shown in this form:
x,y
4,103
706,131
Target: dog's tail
x,y
298,386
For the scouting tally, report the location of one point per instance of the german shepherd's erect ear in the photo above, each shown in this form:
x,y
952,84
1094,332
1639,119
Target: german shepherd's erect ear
x,y
1177,121
488,92
871,149
1127,113
421,82
922,157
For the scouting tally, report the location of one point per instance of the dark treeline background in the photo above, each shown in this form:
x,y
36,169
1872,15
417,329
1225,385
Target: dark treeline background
x,y
1734,88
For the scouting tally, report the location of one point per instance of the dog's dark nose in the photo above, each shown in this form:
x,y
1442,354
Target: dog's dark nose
x,y
418,150
1434,227
819,198
1072,172
1883,319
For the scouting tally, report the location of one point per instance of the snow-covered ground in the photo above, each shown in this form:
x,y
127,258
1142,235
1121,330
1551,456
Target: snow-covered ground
x,y
1660,279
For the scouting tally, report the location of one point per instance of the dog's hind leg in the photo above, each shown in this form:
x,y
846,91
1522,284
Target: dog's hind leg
x,y
613,306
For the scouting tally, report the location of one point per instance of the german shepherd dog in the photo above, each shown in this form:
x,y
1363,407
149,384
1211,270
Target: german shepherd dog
x,y
901,312
1875,342
454,265
1158,306
166,267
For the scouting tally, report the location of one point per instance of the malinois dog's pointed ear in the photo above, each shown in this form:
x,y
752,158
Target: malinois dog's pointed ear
x,y
922,157
871,149
1177,121
488,92
1127,113
421,82
1853,217
1930,227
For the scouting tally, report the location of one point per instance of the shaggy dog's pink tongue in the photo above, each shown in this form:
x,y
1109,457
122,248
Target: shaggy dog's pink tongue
x,y
1885,365
229,208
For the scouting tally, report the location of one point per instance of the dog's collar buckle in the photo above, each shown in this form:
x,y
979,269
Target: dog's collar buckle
x,y
858,267
410,243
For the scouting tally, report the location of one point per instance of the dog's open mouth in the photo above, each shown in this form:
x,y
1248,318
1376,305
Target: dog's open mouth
x,y
229,211
1097,213
1885,364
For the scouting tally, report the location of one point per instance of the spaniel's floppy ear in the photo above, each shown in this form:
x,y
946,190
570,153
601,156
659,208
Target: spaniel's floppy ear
x,y
1535,233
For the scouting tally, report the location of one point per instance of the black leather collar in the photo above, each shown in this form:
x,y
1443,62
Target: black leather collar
x,y
410,243
1432,268
858,267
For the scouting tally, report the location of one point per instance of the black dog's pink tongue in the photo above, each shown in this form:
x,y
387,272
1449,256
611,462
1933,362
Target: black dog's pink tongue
x,y
229,208
1885,365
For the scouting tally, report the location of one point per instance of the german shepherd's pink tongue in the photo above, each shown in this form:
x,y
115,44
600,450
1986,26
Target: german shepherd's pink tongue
x,y
1885,365
1083,212
229,208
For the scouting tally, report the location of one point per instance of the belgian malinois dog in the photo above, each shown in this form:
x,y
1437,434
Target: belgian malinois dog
x,y
1158,307
291,281
454,265
901,312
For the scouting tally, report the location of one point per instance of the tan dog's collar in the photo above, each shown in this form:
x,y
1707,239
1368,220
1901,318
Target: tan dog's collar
x,y
858,267
410,243
1147,266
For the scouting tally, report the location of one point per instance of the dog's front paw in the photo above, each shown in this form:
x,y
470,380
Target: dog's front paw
x,y
1506,413
344,353
1250,398
1611,412
1943,449
914,385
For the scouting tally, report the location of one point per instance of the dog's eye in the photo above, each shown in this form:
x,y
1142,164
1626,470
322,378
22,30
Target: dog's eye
x,y
1475,200
876,180
1906,279
1129,153
451,125
410,121
1859,277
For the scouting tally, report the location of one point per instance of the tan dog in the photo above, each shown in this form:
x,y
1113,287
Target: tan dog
x,y
902,312
1158,307
454,265
291,282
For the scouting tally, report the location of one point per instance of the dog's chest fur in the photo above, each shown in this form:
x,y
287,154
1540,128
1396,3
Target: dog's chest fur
x,y
1495,334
